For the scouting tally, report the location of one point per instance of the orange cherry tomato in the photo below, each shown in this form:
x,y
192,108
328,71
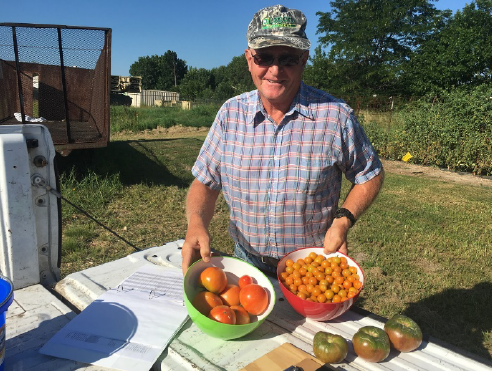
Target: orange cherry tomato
x,y
321,298
329,294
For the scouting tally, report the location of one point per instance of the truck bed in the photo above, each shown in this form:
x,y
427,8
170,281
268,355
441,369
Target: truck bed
x,y
83,134
37,314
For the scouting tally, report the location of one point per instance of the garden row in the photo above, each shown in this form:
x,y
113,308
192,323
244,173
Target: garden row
x,y
452,131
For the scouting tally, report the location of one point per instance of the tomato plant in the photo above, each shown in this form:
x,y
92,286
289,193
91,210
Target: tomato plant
x,y
245,280
254,299
230,295
204,301
403,332
242,316
330,348
213,279
224,314
371,343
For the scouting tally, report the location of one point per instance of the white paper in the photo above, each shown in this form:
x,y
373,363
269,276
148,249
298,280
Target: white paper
x,y
128,327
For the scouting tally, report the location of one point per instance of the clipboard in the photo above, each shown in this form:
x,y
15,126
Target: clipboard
x,y
128,327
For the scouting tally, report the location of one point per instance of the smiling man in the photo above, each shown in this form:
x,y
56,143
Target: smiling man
x,y
278,154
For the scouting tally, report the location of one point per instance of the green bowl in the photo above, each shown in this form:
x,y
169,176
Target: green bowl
x,y
234,269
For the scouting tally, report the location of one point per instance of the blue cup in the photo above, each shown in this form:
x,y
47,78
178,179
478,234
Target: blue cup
x,y
6,298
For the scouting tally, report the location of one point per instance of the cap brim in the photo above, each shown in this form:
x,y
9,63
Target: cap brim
x,y
293,42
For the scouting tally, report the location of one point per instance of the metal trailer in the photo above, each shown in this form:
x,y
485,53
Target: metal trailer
x,y
59,76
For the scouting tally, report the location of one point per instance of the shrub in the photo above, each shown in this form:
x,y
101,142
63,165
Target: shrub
x,y
452,131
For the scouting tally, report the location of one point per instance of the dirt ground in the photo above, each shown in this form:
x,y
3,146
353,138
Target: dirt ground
x,y
397,167
404,168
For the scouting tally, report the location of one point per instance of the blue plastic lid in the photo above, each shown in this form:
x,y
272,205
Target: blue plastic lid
x,y
6,293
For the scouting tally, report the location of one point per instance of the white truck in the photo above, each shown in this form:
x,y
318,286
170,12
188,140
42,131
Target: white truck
x,y
43,304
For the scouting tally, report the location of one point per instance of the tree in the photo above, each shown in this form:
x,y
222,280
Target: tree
x,y
162,72
370,39
339,78
219,83
195,83
319,72
233,79
458,54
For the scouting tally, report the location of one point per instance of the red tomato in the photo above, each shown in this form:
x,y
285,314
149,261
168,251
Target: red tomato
x,y
204,301
230,295
213,279
224,314
254,299
245,280
242,317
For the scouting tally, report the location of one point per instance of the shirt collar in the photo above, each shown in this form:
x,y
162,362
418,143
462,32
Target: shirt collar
x,y
299,104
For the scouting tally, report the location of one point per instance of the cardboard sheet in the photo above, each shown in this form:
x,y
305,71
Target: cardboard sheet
x,y
283,357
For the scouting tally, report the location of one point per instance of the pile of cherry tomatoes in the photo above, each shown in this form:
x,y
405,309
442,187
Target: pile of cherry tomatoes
x,y
320,279
228,303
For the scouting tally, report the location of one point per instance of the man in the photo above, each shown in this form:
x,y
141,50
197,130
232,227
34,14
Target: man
x,y
278,154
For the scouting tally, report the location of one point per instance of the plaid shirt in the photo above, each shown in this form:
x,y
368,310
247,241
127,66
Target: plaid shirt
x,y
282,182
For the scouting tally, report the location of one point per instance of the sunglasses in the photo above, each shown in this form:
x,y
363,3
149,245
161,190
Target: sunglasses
x,y
284,60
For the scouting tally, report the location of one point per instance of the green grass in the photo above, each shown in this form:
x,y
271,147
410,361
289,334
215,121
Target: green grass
x,y
148,118
424,245
426,251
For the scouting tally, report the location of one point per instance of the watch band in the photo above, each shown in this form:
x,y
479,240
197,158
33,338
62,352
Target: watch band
x,y
343,212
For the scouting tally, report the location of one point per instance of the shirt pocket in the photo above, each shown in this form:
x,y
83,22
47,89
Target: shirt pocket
x,y
312,174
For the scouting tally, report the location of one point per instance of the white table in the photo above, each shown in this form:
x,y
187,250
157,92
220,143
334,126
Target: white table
x,y
191,349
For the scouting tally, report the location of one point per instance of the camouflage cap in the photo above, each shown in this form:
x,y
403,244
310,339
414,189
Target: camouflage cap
x,y
278,25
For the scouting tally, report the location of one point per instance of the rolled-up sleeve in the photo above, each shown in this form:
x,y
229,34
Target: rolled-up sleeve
x,y
207,165
360,161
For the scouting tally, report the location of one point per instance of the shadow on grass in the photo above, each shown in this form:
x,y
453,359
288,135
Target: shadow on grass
x,y
460,317
138,161
456,319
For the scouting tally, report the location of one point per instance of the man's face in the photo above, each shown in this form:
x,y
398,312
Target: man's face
x,y
277,83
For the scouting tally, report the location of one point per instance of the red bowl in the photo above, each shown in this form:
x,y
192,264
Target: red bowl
x,y
308,309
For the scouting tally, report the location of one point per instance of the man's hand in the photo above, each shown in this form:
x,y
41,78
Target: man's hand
x,y
200,204
336,236
196,246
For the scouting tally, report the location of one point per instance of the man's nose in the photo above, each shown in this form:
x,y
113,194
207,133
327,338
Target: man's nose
x,y
275,68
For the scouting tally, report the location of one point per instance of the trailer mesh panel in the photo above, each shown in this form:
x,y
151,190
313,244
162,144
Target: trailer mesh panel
x,y
60,74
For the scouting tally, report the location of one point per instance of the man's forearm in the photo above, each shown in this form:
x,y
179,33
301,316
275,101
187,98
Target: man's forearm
x,y
362,195
200,204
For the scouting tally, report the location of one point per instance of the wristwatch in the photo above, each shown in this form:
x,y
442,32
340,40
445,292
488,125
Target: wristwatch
x,y
342,212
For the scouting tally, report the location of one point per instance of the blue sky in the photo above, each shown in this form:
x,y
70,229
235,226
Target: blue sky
x,y
204,33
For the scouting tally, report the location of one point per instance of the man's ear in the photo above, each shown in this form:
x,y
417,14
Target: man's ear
x,y
247,55
305,58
